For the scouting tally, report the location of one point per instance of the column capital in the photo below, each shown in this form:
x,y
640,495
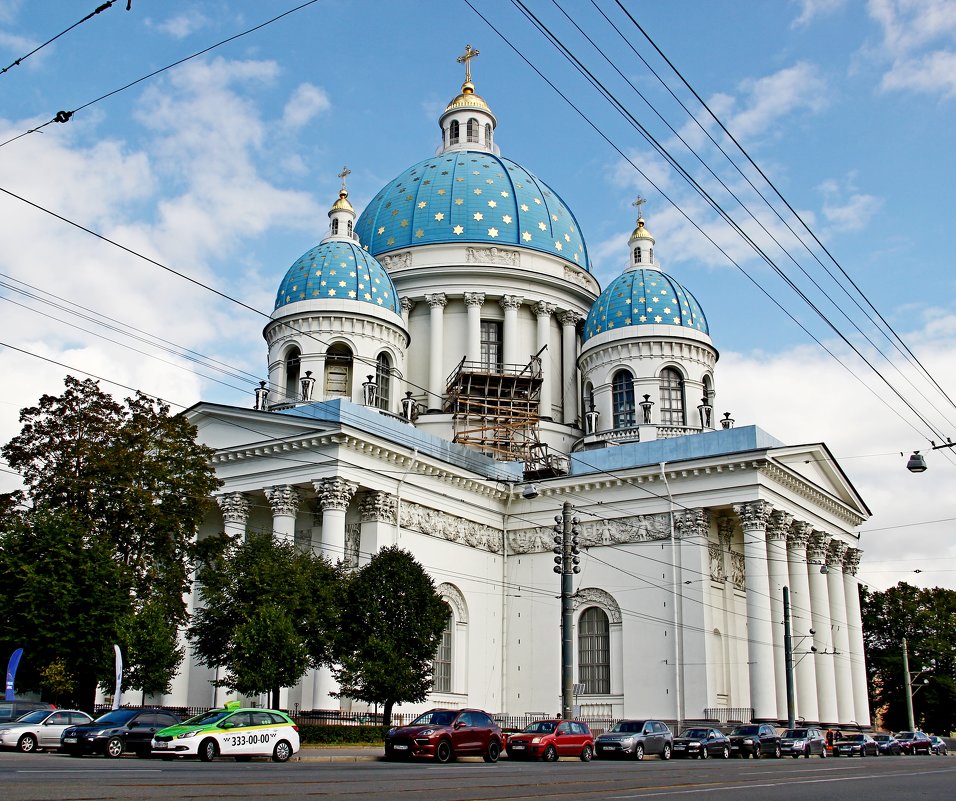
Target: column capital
x,y
234,506
778,525
335,493
754,515
284,499
693,523
437,301
474,299
570,317
799,535
377,507
818,546
542,309
511,301
835,553
407,304
851,560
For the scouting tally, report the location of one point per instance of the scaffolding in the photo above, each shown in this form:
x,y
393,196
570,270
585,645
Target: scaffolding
x,y
496,407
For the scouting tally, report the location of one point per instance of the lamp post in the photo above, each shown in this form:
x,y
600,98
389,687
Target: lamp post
x,y
566,562
909,681
788,656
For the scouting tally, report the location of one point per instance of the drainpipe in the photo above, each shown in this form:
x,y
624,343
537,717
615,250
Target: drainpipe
x,y
677,600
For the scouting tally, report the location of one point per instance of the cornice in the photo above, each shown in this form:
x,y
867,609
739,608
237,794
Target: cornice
x,y
800,486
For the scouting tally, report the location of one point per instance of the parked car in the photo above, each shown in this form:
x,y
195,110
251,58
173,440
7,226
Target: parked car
x,y
443,734
861,745
914,742
117,732
888,745
551,739
701,743
803,742
755,740
635,738
939,746
233,731
39,729
12,710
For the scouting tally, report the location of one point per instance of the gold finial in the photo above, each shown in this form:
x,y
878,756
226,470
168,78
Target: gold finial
x,y
466,58
343,175
639,202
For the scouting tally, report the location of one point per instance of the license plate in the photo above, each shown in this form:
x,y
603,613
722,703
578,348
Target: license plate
x,y
517,748
69,739
160,746
679,747
400,747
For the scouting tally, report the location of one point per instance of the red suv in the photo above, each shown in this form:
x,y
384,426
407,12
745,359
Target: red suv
x,y
551,739
443,734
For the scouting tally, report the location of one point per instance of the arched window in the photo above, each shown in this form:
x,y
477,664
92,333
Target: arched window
x,y
637,255
441,667
472,130
338,372
292,376
350,228
622,399
672,398
488,134
383,377
453,133
335,227
650,258
594,651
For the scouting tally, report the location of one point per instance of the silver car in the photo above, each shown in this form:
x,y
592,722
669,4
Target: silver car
x,y
634,739
40,729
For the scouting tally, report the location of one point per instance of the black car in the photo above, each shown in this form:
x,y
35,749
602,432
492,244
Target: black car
x,y
755,740
804,742
634,739
888,745
856,745
915,742
11,710
117,732
701,743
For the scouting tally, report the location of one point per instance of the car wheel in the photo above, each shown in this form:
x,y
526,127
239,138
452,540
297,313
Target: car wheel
x,y
666,753
114,747
755,754
493,752
823,753
208,750
282,751
586,753
443,751
704,753
27,744
777,753
726,752
639,752
550,754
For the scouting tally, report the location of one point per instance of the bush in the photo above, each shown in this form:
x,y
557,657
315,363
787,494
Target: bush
x,y
313,734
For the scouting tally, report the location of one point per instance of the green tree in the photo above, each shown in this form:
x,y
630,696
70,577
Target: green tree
x,y
66,598
265,614
390,628
135,481
927,619
153,652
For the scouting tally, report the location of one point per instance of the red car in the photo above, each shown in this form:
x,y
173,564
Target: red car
x,y
444,734
551,739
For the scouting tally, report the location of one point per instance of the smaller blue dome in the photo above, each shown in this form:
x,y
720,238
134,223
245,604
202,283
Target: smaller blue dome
x,y
338,269
644,297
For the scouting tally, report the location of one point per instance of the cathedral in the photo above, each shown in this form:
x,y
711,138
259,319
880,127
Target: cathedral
x,y
445,373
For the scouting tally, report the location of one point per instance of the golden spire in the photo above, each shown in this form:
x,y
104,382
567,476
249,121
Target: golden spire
x,y
465,59
640,232
342,204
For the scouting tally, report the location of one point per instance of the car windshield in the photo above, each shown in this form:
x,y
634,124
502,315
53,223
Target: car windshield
x,y
796,734
34,717
853,738
629,726
905,735
435,718
116,717
541,727
881,738
697,734
208,718
745,730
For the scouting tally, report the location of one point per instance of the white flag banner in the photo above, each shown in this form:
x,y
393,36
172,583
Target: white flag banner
x,y
117,694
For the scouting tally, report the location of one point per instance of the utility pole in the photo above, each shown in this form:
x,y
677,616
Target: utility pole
x,y
788,657
908,687
566,561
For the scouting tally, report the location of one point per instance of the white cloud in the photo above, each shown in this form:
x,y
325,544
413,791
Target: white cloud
x,y
932,73
181,25
811,9
306,102
771,98
845,208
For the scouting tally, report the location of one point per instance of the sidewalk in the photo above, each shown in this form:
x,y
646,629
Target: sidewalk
x,y
340,753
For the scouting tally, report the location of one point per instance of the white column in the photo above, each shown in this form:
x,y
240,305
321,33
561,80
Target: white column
x,y
753,520
284,501
235,514
377,510
841,642
407,305
777,528
804,668
473,304
728,619
512,350
822,641
569,360
334,496
854,619
436,372
543,312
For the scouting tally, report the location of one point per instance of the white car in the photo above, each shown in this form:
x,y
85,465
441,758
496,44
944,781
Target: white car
x,y
233,731
40,729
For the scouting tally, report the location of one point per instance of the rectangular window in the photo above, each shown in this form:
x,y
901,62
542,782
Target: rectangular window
x,y
491,344
441,669
594,652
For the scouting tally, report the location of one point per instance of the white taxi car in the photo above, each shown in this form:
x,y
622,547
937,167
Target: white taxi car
x,y
232,731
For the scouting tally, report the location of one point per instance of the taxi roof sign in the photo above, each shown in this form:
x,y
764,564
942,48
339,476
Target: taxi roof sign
x,y
232,705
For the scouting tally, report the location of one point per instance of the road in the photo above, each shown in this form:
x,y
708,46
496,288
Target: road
x,y
53,777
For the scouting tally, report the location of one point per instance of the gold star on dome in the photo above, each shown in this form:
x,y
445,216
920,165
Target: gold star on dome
x,y
667,310
479,216
394,212
459,180
475,172
342,283
390,240
576,257
567,238
477,191
628,301
504,194
506,219
559,246
642,318
554,217
677,321
367,296
419,233
542,226
657,318
537,201
459,201
409,198
352,274
526,236
493,232
458,230
331,293
381,229
524,206
439,216
404,223
489,180
492,204
352,293
322,283
442,191
421,204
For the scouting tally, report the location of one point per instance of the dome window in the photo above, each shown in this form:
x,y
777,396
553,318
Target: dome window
x,y
488,134
650,257
453,133
338,372
335,227
473,130
637,255
292,364
622,399
383,377
491,344
672,398
349,228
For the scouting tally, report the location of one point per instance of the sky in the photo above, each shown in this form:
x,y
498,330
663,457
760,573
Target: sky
x,y
222,170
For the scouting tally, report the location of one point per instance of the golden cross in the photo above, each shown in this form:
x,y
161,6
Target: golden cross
x,y
466,60
639,202
345,173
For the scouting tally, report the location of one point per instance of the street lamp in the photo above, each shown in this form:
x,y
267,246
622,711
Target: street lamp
x,y
917,462
909,681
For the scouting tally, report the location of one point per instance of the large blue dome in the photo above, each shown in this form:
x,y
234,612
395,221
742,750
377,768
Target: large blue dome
x,y
471,196
644,297
341,270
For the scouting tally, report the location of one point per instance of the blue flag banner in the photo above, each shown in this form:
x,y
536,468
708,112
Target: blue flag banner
x,y
12,666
